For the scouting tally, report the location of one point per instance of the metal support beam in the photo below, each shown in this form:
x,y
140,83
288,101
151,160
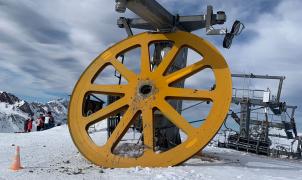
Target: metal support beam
x,y
190,23
123,23
155,17
258,76
255,102
245,118
212,19
279,89
293,110
152,12
292,119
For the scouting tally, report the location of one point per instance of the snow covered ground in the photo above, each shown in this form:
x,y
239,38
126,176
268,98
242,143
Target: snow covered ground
x,y
51,155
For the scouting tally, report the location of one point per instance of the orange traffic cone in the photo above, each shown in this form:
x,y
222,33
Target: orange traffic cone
x,y
16,163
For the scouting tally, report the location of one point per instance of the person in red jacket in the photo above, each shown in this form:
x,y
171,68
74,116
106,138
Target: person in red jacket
x,y
30,125
40,123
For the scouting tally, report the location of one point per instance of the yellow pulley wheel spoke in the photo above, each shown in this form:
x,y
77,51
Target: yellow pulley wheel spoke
x,y
133,102
163,66
187,71
121,129
190,94
147,117
176,118
103,113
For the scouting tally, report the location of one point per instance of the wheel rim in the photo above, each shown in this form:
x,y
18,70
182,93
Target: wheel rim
x,y
146,91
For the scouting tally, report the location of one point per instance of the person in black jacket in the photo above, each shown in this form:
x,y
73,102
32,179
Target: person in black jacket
x,y
25,125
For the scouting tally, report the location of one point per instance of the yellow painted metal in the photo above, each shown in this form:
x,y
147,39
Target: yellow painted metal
x,y
133,102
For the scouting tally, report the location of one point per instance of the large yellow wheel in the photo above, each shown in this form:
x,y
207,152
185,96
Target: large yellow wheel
x,y
134,99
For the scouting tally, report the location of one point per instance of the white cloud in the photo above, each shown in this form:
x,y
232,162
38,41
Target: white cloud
x,y
81,30
46,45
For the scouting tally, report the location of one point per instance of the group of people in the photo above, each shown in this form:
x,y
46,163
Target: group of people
x,y
43,122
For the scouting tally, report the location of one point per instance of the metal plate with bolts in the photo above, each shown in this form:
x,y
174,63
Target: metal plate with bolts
x,y
145,92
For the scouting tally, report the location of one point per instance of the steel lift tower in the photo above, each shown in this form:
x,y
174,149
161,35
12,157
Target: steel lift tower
x,y
255,99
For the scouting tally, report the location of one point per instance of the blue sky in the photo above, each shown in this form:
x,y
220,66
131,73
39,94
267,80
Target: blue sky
x,y
46,45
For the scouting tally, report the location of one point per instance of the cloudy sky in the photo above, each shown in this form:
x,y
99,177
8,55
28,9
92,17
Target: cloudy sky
x,y
46,45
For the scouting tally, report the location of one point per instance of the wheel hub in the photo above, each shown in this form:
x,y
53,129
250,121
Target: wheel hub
x,y
146,89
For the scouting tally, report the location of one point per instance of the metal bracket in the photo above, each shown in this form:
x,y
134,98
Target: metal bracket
x,y
120,6
122,22
212,19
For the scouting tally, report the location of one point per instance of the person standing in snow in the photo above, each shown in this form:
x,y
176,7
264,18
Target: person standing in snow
x,y
40,123
43,121
25,125
51,119
47,121
30,125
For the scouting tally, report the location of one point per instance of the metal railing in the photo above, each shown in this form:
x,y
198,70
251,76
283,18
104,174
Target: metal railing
x,y
248,93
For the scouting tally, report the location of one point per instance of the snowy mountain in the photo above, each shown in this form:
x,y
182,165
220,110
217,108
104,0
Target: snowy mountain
x,y
14,111
57,107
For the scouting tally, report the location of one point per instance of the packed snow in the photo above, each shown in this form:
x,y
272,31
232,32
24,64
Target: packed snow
x,y
51,154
